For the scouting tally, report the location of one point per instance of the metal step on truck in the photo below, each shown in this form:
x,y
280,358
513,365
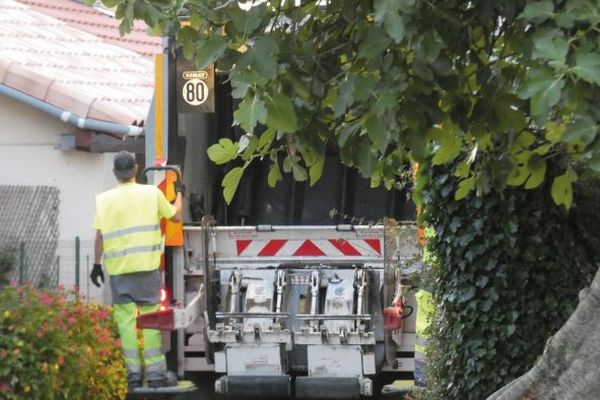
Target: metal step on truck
x,y
294,291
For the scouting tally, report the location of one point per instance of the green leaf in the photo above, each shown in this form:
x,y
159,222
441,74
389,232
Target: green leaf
x,y
449,143
345,131
239,85
343,97
587,67
210,50
565,20
374,44
299,172
538,11
377,132
464,188
247,146
462,170
281,114
543,88
521,171
562,190
386,100
594,163
125,13
584,130
422,70
387,14
431,46
554,131
543,149
526,139
550,48
230,183
510,330
274,175
362,88
366,161
406,6
508,114
394,26
265,140
249,113
537,167
482,281
195,22
316,170
287,164
377,175
246,22
223,152
264,56
383,8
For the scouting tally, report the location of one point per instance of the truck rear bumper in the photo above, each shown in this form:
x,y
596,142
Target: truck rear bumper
x,y
254,386
332,388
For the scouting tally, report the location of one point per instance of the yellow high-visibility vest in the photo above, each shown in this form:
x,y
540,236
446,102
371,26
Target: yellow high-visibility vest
x,y
128,217
424,315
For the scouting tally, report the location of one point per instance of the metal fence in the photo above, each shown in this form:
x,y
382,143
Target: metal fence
x,y
69,265
75,259
29,234
28,261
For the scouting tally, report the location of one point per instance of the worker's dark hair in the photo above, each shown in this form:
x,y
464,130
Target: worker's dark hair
x,y
124,165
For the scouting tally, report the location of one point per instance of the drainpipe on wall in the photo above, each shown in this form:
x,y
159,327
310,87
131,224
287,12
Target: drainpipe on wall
x,y
68,117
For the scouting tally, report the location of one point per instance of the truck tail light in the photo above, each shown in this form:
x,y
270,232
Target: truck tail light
x,y
164,299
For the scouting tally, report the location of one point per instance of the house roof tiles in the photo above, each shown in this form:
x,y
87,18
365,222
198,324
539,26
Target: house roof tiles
x,y
93,21
71,56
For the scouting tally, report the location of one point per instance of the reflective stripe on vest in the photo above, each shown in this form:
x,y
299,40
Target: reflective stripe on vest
x,y
133,229
131,250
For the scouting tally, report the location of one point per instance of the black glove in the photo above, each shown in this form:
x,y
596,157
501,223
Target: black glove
x,y
97,273
179,187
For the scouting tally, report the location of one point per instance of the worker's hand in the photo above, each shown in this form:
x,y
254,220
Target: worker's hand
x,y
179,187
97,273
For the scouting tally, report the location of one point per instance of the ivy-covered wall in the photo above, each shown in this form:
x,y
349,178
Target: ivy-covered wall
x,y
508,271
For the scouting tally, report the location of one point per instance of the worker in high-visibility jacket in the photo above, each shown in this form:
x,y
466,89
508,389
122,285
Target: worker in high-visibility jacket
x,y
128,236
425,309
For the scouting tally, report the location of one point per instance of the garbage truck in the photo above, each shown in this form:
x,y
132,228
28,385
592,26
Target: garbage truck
x,y
288,291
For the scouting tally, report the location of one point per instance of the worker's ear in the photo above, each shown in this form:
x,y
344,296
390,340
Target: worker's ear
x,y
135,170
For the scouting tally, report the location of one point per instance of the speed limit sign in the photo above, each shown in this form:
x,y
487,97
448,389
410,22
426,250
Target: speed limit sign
x,y
195,92
194,87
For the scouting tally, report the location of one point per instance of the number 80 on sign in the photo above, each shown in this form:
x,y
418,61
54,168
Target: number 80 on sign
x,y
195,92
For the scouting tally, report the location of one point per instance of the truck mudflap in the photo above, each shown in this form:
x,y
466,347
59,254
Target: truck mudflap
x,y
254,386
332,388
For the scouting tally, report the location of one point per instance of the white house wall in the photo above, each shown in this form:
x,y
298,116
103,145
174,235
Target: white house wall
x,y
29,156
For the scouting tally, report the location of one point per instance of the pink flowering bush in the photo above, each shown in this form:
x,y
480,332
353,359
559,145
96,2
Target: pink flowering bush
x,y
53,346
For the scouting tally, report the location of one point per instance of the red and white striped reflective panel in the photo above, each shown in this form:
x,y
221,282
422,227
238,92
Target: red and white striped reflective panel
x,y
309,248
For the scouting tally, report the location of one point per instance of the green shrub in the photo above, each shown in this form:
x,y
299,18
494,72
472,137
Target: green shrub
x,y
54,346
509,266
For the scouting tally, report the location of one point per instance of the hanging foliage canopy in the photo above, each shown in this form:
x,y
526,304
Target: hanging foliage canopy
x,y
511,82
